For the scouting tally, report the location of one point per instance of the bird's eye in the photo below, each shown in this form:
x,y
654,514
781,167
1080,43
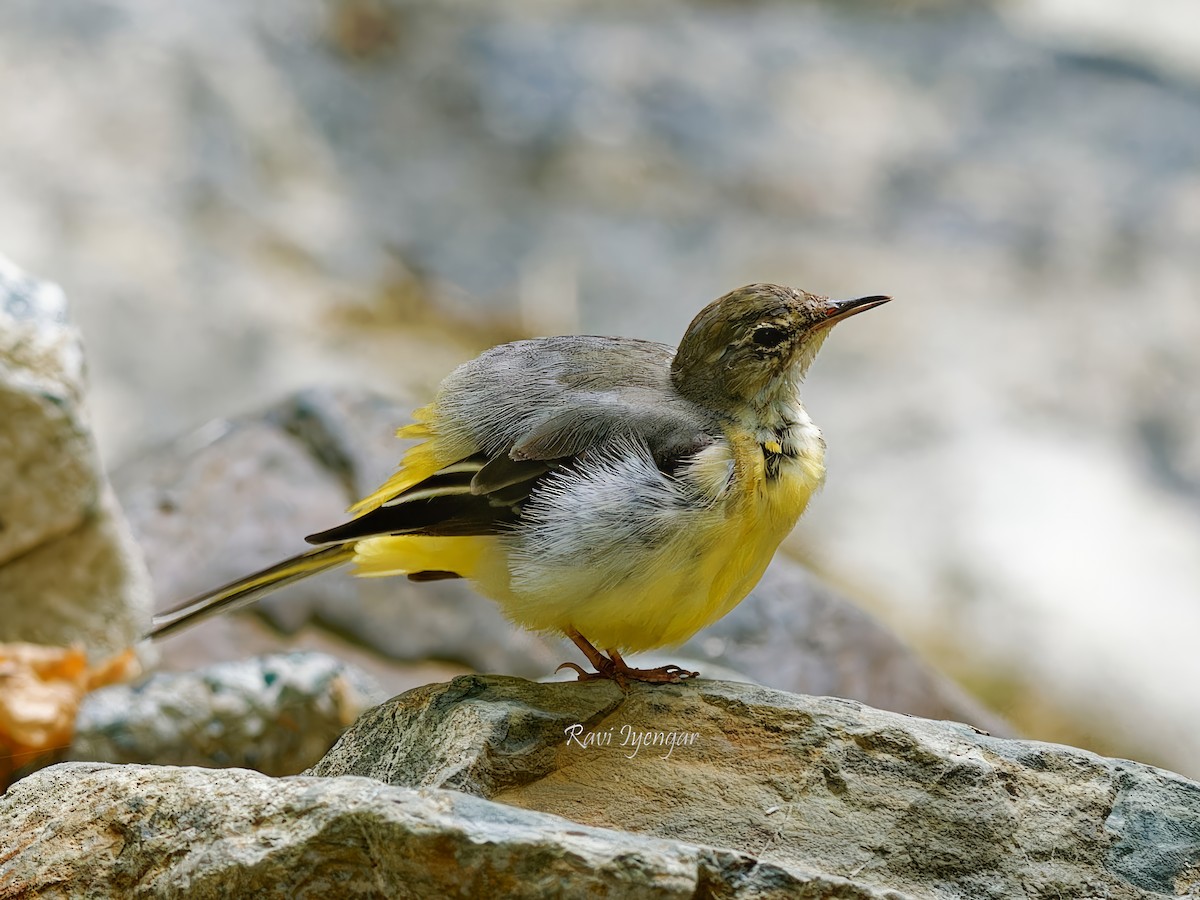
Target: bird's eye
x,y
769,336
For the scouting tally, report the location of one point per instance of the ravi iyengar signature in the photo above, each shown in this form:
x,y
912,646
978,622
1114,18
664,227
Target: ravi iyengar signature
x,y
629,737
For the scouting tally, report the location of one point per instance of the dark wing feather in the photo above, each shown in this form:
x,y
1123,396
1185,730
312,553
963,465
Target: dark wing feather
x,y
470,497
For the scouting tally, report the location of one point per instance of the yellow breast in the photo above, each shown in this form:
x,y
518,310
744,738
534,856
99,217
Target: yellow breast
x,y
752,532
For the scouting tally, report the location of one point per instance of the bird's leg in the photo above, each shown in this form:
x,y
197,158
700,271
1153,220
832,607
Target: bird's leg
x,y
604,665
614,668
669,674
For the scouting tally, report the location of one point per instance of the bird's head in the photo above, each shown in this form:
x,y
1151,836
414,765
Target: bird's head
x,y
743,349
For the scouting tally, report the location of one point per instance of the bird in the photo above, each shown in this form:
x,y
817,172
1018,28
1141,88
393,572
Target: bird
x,y
617,491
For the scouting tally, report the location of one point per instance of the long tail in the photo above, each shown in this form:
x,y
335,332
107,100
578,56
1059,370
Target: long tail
x,y
243,591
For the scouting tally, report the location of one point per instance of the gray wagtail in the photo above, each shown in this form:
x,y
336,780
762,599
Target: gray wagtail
x,y
620,492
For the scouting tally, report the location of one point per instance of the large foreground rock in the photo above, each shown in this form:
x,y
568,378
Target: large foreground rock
x,y
932,809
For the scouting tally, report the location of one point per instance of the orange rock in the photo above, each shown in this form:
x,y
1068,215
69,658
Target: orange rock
x,y
40,691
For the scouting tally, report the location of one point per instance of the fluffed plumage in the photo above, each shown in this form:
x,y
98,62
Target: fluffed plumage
x,y
606,488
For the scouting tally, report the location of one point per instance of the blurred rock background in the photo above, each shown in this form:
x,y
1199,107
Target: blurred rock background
x,y
244,200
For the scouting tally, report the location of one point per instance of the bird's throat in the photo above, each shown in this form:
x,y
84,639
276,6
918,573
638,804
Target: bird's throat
x,y
781,424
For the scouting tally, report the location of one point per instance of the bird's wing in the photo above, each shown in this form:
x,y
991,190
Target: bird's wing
x,y
506,420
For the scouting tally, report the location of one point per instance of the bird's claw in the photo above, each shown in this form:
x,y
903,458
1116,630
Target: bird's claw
x,y
584,674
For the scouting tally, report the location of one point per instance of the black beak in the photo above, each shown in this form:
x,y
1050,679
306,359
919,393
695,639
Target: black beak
x,y
844,309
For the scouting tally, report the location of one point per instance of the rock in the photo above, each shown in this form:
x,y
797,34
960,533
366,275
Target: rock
x,y
41,689
228,499
500,787
277,714
931,809
166,831
235,638
47,460
69,570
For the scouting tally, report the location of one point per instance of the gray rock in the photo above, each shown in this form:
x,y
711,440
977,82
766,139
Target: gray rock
x,y
277,714
176,832
230,498
932,809
69,570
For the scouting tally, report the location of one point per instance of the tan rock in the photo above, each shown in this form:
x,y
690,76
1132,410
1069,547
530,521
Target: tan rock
x,y
47,459
69,570
934,809
88,586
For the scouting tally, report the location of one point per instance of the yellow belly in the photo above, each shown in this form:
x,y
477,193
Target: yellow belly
x,y
725,562
689,583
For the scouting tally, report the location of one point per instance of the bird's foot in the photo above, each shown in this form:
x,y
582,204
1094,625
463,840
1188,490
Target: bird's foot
x,y
614,668
669,674
623,674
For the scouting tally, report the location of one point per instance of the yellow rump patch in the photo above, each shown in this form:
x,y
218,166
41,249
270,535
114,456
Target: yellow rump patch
x,y
403,554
